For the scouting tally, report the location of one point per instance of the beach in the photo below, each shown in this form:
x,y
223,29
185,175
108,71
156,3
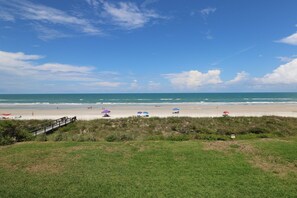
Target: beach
x,y
89,112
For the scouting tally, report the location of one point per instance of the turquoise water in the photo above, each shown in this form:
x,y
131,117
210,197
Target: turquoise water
x,y
149,98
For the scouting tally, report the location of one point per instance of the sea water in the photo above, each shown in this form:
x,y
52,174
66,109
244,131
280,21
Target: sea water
x,y
147,98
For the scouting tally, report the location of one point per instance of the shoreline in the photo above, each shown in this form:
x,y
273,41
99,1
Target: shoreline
x,y
87,112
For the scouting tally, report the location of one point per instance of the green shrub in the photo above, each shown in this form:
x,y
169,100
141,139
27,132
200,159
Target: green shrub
x,y
125,137
111,138
58,136
6,140
178,138
11,131
42,138
257,130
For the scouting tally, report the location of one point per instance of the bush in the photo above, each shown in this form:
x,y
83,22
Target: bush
x,y
126,137
58,137
23,135
12,131
257,130
111,138
178,138
123,137
6,140
42,138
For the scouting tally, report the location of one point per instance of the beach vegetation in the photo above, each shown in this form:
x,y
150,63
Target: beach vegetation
x,y
135,128
183,128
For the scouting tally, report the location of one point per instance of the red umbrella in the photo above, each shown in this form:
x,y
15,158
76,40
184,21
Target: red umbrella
x,y
226,112
6,114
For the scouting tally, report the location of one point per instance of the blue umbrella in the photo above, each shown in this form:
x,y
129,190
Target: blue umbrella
x,y
145,114
175,109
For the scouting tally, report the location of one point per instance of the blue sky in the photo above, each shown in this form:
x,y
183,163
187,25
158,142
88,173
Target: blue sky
x,y
100,46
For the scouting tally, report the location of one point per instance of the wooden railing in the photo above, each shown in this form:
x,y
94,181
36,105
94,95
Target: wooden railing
x,y
54,125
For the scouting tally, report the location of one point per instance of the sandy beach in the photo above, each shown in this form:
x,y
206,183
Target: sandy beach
x,y
87,112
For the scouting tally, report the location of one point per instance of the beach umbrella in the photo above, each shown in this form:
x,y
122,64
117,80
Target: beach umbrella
x,y
6,114
139,112
105,111
145,114
175,109
226,113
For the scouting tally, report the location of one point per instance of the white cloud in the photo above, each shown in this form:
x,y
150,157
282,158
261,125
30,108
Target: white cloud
x,y
94,3
5,16
153,85
57,68
134,84
207,11
128,15
208,35
20,64
106,84
52,23
194,79
49,34
19,56
25,10
240,77
291,40
286,59
284,74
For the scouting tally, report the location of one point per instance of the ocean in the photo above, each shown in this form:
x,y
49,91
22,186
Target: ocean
x,y
147,98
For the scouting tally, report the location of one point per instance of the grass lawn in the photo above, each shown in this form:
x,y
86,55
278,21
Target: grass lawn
x,y
247,168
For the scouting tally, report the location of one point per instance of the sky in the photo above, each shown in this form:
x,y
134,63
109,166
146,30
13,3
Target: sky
x,y
148,46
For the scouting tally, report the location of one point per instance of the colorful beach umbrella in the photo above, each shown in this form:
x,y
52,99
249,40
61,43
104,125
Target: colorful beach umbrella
x,y
226,113
145,114
6,114
105,111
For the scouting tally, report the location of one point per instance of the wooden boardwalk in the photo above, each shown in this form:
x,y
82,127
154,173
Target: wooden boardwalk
x,y
54,125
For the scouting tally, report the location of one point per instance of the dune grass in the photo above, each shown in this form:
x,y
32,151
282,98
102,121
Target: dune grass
x,y
171,128
177,128
148,169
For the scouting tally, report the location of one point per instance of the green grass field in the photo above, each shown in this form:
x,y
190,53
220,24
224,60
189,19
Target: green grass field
x,y
244,168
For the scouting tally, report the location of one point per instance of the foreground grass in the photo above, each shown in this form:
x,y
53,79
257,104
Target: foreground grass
x,y
149,169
